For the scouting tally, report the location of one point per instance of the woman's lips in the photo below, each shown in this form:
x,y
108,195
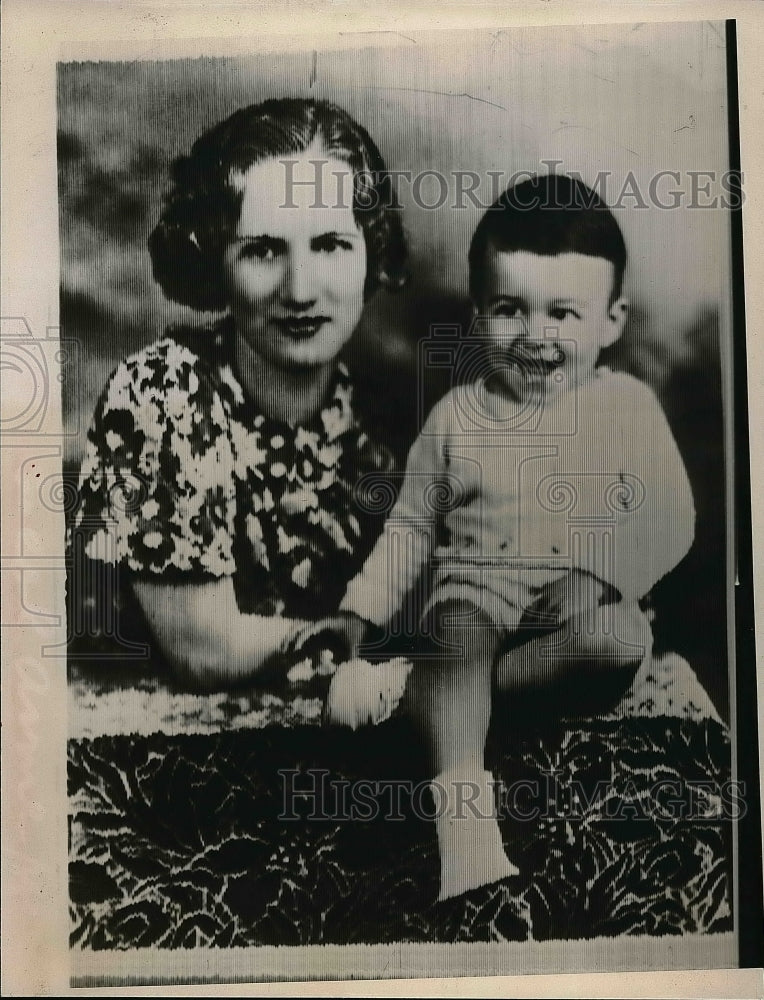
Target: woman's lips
x,y
301,327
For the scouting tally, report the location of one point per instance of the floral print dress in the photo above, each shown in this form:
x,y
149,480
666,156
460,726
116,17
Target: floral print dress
x,y
184,480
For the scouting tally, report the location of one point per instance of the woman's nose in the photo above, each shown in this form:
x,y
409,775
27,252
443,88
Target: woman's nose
x,y
298,288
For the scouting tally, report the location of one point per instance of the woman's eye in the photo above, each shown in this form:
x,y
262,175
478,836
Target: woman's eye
x,y
331,243
263,250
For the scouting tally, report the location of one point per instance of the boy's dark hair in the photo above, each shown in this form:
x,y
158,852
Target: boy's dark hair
x,y
549,214
201,209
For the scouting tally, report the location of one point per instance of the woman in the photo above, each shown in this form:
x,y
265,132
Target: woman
x,y
221,462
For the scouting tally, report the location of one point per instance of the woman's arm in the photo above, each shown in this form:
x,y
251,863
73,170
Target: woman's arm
x,y
159,465
206,640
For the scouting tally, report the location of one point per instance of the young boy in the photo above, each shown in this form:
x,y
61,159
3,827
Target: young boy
x,y
546,495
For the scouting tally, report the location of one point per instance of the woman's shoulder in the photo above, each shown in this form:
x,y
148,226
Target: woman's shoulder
x,y
179,351
183,363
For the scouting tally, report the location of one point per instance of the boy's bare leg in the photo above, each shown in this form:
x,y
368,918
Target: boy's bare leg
x,y
448,695
609,640
448,698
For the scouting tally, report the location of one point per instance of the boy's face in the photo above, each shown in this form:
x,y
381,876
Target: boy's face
x,y
549,318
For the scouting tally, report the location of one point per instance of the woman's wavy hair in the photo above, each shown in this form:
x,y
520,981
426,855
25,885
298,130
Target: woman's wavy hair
x,y
201,209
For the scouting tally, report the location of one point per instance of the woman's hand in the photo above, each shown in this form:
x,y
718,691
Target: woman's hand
x,y
343,633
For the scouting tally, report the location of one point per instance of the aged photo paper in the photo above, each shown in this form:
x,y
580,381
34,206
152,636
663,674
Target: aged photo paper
x,y
381,393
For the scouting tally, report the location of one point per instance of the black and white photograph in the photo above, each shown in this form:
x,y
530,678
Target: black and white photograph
x,y
403,480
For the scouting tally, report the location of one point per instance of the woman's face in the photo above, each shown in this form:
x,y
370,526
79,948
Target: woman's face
x,y
296,268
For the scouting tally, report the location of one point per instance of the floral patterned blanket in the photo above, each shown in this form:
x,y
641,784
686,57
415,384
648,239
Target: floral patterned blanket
x,y
212,822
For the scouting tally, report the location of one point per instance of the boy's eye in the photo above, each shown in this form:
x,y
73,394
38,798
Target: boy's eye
x,y
561,313
330,243
511,310
264,248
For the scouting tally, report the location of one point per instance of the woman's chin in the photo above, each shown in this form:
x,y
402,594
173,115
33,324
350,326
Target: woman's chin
x,y
321,348
301,353
305,355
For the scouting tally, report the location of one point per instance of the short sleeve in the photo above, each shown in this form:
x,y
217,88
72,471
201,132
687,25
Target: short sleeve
x,y
156,489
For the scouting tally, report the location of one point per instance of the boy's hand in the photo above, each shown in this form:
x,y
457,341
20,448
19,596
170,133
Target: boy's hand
x,y
571,596
343,633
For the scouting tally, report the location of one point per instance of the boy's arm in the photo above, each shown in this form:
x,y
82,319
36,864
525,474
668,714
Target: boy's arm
x,y
405,546
654,512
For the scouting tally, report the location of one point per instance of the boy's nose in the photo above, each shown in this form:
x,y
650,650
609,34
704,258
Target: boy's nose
x,y
540,330
549,351
544,336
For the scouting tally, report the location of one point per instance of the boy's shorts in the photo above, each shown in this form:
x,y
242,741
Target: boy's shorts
x,y
503,594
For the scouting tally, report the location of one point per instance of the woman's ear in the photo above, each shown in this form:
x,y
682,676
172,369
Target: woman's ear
x,y
617,315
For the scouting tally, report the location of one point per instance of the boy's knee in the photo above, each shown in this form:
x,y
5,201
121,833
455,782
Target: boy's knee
x,y
457,629
618,635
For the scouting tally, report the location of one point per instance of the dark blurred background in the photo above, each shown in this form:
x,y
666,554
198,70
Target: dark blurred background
x,y
632,100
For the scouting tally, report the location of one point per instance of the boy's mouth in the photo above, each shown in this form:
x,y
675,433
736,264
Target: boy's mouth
x,y
534,360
